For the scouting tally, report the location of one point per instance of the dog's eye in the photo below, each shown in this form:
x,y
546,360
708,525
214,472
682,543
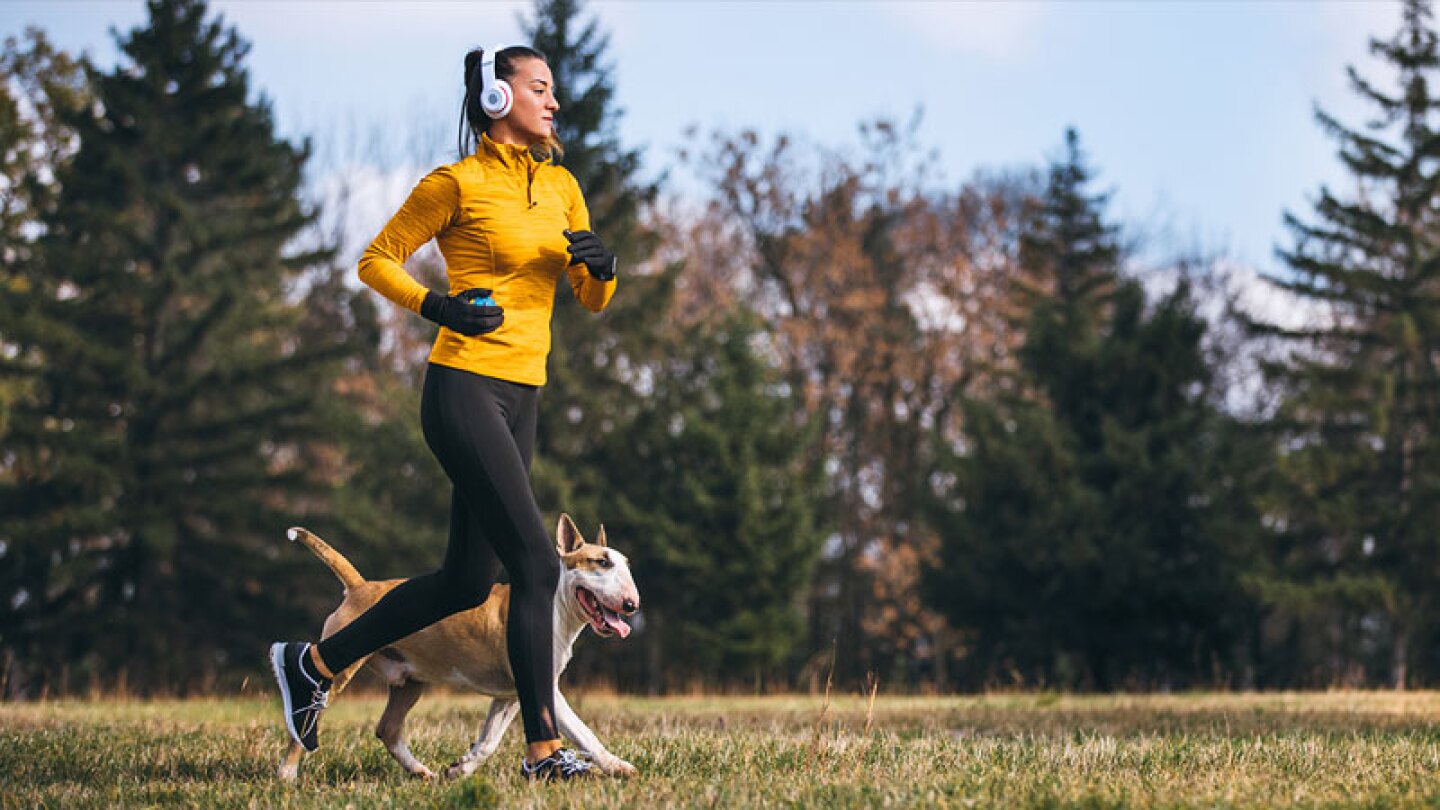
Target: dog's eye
x,y
604,562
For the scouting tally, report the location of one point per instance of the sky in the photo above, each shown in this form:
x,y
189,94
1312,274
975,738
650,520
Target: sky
x,y
1199,116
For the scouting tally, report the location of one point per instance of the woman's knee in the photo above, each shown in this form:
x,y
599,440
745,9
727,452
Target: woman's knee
x,y
459,593
540,572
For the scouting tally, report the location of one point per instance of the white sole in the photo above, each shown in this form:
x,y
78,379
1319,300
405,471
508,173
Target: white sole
x,y
277,663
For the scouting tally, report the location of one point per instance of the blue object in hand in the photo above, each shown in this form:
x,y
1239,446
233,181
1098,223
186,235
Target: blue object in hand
x,y
487,301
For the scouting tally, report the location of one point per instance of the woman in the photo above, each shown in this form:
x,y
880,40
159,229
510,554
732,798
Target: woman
x,y
509,223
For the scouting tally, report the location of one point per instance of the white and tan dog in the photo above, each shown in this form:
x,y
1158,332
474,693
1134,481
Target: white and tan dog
x,y
468,649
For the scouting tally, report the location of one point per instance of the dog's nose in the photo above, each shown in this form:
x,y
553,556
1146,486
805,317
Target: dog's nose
x,y
630,606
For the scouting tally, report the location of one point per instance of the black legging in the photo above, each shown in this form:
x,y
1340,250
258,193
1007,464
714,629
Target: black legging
x,y
483,432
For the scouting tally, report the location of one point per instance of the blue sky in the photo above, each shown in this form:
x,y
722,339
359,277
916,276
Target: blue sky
x,y
1197,114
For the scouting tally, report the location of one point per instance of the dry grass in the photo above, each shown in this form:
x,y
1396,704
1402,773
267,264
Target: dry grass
x,y
1343,749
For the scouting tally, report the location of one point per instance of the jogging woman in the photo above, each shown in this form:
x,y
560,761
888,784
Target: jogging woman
x,y
509,223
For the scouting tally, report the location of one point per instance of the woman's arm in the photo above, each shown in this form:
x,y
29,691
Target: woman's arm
x,y
592,293
430,207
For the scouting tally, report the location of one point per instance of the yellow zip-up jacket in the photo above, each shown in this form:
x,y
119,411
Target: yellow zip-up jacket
x,y
499,218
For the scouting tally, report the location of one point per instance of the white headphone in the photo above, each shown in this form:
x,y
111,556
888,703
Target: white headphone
x,y
496,97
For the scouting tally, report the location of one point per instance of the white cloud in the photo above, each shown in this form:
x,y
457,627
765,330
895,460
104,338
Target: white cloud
x,y
1002,31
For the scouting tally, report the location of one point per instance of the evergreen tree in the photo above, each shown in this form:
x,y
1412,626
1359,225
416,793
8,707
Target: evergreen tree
x,y
39,85
178,390
1077,536
587,392
712,494
598,365
388,498
1359,458
588,125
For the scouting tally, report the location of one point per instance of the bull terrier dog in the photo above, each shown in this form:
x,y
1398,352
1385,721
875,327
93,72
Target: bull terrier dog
x,y
468,650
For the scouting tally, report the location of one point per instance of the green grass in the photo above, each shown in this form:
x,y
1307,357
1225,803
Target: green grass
x,y
1343,749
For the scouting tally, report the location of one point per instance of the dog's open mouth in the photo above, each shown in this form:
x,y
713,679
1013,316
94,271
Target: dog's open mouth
x,y
603,620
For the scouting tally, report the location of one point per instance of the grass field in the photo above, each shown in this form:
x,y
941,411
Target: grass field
x,y
1343,749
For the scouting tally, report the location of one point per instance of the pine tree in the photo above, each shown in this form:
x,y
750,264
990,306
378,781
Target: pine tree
x,y
1070,264
597,367
179,391
1077,543
587,393
711,493
588,125
39,85
609,176
1357,510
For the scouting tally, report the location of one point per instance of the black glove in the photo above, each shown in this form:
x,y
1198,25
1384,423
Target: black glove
x,y
456,313
586,247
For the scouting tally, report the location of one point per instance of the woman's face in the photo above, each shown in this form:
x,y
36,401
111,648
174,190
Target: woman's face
x,y
532,116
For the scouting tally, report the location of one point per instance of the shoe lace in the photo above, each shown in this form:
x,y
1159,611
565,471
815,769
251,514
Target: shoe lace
x,y
319,699
567,761
570,763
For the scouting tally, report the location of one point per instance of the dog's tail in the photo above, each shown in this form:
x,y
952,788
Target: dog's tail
x,y
349,577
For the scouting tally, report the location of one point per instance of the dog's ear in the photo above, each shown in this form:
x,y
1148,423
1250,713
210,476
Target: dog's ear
x,y
600,538
567,537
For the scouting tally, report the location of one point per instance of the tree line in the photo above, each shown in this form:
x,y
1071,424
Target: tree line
x,y
848,423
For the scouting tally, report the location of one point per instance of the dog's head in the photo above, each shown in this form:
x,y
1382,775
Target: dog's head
x,y
597,579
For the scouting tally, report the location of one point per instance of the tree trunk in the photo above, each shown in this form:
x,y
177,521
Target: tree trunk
x,y
1399,665
654,658
942,660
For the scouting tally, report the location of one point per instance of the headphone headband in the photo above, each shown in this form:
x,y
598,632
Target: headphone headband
x,y
487,66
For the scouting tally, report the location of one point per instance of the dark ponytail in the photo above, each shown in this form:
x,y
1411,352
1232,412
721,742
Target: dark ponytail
x,y
473,120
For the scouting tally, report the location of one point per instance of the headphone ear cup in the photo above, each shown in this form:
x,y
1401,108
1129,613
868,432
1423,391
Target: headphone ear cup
x,y
497,100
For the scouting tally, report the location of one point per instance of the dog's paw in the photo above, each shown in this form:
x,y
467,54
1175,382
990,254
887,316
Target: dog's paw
x,y
619,767
290,764
423,773
460,769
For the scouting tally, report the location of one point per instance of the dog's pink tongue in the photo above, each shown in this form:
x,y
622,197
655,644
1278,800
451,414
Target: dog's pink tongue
x,y
614,622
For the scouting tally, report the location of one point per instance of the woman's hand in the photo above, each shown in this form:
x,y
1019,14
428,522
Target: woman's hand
x,y
586,247
458,314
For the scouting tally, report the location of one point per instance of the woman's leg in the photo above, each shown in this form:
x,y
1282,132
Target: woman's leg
x,y
522,635
470,565
492,473
463,581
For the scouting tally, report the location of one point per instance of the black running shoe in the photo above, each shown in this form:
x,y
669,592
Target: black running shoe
x,y
304,690
563,764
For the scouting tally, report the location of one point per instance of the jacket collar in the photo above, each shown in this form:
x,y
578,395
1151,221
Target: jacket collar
x,y
508,154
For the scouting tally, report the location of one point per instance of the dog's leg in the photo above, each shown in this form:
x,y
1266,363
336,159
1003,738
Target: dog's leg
x,y
573,727
391,729
290,761
502,713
